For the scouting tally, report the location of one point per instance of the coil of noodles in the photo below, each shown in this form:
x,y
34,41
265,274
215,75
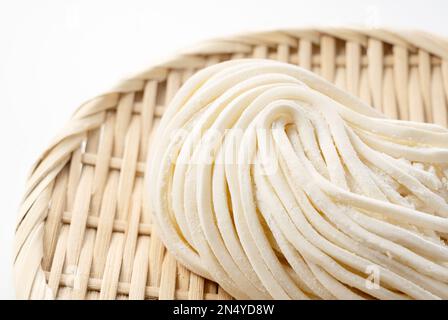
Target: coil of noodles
x,y
277,185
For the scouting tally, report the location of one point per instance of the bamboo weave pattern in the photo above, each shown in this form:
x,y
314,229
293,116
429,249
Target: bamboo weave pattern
x,y
84,229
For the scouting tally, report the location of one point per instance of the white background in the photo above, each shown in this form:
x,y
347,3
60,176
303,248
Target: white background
x,y
56,54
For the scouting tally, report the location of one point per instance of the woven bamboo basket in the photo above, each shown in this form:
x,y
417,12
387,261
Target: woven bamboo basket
x,y
85,229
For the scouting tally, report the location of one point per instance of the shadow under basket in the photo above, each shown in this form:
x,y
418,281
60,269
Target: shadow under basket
x,y
85,230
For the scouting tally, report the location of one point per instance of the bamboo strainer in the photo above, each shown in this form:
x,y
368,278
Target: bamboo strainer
x,y
85,230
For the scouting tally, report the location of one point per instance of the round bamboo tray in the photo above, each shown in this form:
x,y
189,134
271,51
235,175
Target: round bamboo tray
x,y
85,229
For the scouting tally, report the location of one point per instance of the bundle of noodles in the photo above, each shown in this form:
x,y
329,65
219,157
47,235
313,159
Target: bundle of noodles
x,y
277,185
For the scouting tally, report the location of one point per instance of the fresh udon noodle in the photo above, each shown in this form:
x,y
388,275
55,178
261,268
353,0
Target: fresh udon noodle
x,y
277,185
